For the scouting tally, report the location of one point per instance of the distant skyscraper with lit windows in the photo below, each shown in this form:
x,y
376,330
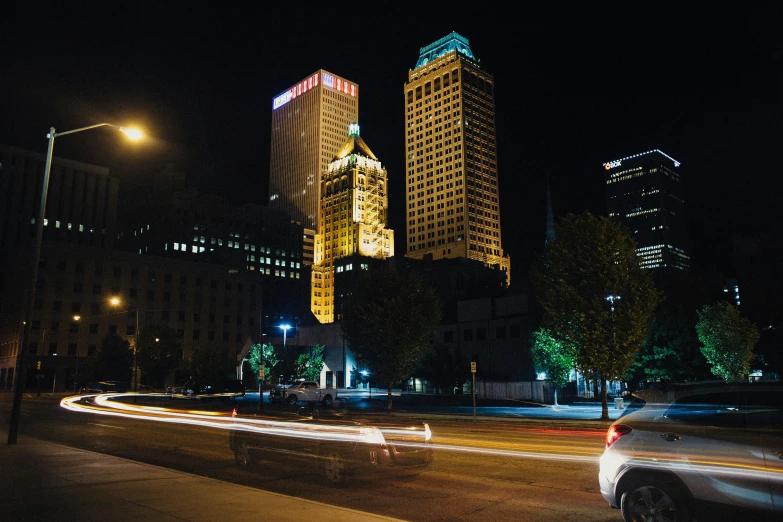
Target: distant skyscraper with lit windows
x,y
309,125
644,192
451,157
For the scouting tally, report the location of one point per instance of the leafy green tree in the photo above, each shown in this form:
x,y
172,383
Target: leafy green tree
x,y
671,352
594,296
552,357
262,354
112,361
728,340
210,363
388,322
159,353
447,368
309,365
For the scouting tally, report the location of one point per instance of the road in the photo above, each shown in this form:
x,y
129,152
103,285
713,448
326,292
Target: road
x,y
497,469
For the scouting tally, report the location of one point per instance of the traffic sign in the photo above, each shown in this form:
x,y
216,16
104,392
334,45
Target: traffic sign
x,y
261,372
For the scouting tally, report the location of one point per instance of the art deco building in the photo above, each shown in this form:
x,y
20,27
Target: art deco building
x,y
644,192
309,125
353,217
451,157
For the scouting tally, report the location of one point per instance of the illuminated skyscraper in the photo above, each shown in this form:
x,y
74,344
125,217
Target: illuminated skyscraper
x,y
451,157
644,192
309,125
353,216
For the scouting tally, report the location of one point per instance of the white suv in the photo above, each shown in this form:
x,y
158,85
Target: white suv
x,y
695,449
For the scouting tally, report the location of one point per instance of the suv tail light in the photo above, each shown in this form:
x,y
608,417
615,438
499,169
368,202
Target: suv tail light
x,y
615,432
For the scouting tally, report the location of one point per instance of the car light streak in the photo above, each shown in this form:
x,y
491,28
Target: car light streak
x,y
105,405
708,467
514,453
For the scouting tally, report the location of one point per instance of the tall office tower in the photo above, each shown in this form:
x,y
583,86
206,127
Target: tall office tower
x,y
81,206
644,192
451,157
309,125
354,213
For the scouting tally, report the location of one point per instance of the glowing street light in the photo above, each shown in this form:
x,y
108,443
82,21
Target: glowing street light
x,y
20,372
77,319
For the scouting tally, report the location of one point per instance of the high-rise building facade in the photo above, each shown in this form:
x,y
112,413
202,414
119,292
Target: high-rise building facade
x,y
81,203
353,217
451,157
644,192
309,125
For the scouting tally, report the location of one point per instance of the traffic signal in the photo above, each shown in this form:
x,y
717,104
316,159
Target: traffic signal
x,y
38,365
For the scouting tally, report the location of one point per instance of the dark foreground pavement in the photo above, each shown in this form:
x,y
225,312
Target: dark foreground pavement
x,y
41,481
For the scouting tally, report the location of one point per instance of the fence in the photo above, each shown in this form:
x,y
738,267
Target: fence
x,y
533,391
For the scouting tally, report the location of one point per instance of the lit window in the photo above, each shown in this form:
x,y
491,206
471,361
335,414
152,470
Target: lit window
x,y
57,224
176,246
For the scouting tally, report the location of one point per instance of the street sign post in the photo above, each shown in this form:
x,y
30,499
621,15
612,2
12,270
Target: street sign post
x,y
473,373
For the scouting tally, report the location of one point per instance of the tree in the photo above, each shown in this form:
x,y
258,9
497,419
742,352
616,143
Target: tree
x,y
210,363
112,361
388,321
728,340
262,355
447,368
159,353
552,357
309,365
594,296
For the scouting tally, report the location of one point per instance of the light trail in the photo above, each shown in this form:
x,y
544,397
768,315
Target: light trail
x,y
104,404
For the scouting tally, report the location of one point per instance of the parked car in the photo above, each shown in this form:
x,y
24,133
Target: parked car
x,y
332,447
106,387
227,389
690,449
303,391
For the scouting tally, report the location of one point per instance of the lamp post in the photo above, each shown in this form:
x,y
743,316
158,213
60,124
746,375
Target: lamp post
x,y
612,298
20,371
77,319
135,351
285,328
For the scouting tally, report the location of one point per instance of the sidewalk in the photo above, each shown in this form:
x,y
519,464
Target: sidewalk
x,y
49,482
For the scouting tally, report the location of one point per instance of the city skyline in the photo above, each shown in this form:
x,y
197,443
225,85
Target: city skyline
x,y
572,93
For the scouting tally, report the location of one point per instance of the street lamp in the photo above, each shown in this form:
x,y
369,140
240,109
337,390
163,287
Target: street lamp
x,y
365,373
20,372
115,301
77,319
285,328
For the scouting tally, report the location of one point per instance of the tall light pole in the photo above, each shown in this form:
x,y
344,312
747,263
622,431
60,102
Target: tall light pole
x,y
77,319
612,298
285,328
135,351
20,372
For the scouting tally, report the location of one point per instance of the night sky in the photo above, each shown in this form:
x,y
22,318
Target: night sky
x,y
575,87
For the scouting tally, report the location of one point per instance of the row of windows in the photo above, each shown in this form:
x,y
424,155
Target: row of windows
x,y
91,349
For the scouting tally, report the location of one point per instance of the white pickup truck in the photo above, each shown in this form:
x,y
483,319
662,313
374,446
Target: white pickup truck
x,y
305,391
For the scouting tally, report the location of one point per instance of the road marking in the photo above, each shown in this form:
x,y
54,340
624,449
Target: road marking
x,y
106,425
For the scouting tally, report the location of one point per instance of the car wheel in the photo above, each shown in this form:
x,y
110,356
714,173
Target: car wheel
x,y
327,401
334,467
242,455
659,502
291,399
